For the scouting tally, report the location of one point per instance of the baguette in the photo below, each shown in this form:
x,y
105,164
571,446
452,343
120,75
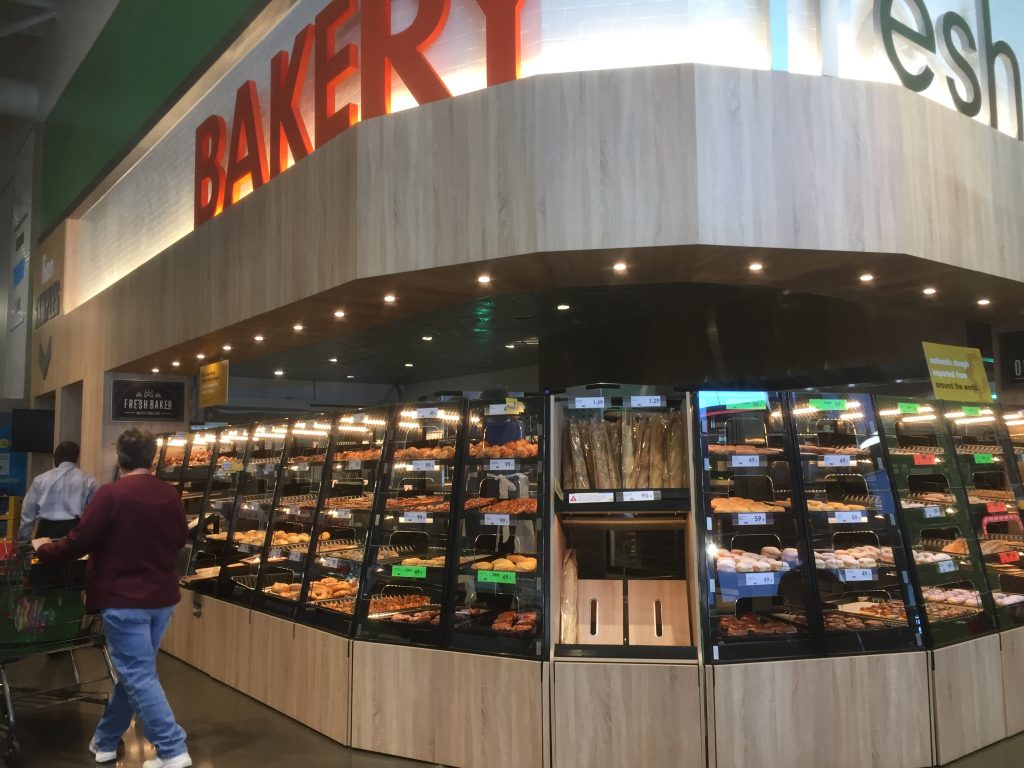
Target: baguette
x,y
677,452
658,451
626,428
577,458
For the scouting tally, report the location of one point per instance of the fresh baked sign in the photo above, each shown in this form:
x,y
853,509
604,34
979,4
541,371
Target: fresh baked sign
x,y
226,169
147,400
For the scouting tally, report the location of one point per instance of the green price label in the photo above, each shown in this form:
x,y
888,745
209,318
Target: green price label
x,y
409,571
909,407
984,458
750,405
496,577
828,405
971,410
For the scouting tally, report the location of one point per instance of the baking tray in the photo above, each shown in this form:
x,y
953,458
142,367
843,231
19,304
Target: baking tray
x,y
259,581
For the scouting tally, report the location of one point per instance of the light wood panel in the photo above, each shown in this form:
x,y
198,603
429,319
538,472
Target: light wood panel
x,y
968,696
1012,654
457,709
599,612
618,714
645,596
850,712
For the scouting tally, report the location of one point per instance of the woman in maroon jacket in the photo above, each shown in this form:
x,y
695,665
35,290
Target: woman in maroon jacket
x,y
132,532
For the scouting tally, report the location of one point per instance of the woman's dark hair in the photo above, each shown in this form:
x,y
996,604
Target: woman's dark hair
x,y
66,451
135,449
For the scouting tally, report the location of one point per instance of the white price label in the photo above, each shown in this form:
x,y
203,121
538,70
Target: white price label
x,y
591,498
426,413
502,464
752,518
245,548
303,467
646,401
414,517
332,562
850,517
499,409
946,566
344,514
760,579
296,555
639,496
424,465
358,418
859,574
277,552
589,402
496,519
353,465
933,511
836,460
745,460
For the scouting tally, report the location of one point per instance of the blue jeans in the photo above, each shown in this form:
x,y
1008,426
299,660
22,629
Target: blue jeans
x,y
133,639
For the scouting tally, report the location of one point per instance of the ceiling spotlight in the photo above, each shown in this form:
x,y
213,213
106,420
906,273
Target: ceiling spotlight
x,y
200,356
928,291
226,347
484,279
350,376
756,266
620,266
339,313
867,277
279,372
257,339
156,370
297,327
408,365
562,307
427,338
389,299
510,346
175,364
332,360
983,302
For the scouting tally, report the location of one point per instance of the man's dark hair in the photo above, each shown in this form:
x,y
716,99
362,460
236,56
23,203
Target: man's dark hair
x,y
66,451
135,449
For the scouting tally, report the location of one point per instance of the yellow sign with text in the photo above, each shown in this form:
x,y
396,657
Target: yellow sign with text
x,y
957,373
213,384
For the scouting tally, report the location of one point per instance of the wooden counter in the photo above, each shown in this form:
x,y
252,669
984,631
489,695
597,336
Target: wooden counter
x,y
968,697
1012,654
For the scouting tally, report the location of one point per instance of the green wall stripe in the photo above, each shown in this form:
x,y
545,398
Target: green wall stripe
x,y
149,53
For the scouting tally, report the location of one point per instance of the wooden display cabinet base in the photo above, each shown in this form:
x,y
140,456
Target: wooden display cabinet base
x,y
1013,679
968,697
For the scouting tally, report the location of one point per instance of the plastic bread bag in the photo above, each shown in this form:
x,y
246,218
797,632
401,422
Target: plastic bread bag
x,y
567,478
642,454
602,455
626,448
677,475
659,452
614,452
579,464
588,452
568,603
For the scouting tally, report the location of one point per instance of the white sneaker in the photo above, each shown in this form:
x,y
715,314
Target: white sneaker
x,y
179,761
102,757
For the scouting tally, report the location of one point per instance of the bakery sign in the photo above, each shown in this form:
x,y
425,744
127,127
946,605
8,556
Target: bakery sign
x,y
147,400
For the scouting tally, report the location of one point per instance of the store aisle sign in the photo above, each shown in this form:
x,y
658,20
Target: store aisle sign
x,y
227,168
147,400
957,373
213,384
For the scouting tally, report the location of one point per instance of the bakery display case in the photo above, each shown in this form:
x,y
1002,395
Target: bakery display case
x,y
500,579
756,589
172,450
935,513
342,527
402,591
864,602
988,468
622,542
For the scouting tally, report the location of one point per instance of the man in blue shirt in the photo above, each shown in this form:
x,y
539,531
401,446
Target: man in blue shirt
x,y
57,498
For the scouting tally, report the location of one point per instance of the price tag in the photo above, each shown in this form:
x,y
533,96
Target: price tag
x,y
858,574
277,552
589,402
639,495
646,401
995,507
745,460
424,465
972,410
908,408
409,571
303,467
246,548
502,464
760,579
426,413
358,418
984,458
294,509
414,517
752,518
932,511
343,514
946,566
855,516
1009,557
836,460
497,409
351,465
924,459
748,405
297,555
496,520
332,562
496,577
828,405
591,498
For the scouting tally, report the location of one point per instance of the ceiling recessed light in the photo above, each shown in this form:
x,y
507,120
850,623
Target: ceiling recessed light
x,y
562,307
257,339
200,356
427,338
226,347
756,266
297,327
332,360
339,313
510,346
983,302
156,370
620,266
390,298
279,372
928,291
484,279
350,376
867,277
408,365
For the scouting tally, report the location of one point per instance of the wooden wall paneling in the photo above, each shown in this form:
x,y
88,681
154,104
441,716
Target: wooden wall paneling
x,y
491,713
673,597
616,714
599,615
1012,653
968,697
850,712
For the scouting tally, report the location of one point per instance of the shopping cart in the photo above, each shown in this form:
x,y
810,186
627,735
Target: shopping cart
x,y
42,611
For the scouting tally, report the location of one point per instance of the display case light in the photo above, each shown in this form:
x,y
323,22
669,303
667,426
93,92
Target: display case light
x,y
975,420
919,418
804,410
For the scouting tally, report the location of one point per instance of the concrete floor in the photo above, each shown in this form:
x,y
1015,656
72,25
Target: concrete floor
x,y
229,730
